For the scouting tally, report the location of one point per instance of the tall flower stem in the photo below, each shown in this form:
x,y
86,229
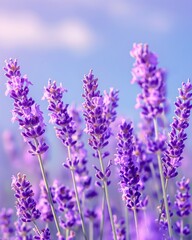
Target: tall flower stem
x,y
76,194
107,197
90,230
103,215
162,181
162,204
48,190
67,233
127,223
181,233
136,222
155,180
36,227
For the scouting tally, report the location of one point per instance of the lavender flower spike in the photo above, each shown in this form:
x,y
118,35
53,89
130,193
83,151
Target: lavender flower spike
x,y
29,117
25,204
6,227
173,155
129,172
25,111
183,206
99,112
65,131
59,113
151,79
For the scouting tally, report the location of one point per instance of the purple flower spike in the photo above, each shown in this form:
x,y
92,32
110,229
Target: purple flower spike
x,y
59,113
182,202
99,112
44,235
5,223
23,229
129,172
173,155
43,204
25,111
151,79
120,228
12,69
25,204
183,206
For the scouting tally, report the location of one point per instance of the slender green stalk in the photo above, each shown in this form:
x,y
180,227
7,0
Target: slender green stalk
x,y
103,215
162,181
48,190
90,230
127,223
155,180
36,227
146,223
107,197
162,204
136,222
181,233
77,195
67,233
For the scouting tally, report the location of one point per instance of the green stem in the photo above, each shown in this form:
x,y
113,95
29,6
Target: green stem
x,y
103,215
127,222
48,190
162,204
67,233
36,227
136,222
162,181
90,230
77,195
181,234
107,197
155,180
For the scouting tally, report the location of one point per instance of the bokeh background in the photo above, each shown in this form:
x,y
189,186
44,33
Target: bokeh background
x,y
64,39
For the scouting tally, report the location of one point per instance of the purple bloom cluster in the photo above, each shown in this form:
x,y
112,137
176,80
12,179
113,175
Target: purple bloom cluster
x,y
99,112
120,228
143,158
23,230
5,223
44,205
44,235
25,111
59,113
173,155
183,205
65,199
151,79
25,204
129,172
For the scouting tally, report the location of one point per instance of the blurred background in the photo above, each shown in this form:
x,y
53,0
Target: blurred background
x,y
64,39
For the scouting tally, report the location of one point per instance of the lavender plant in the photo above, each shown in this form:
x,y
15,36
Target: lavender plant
x,y
129,173
29,117
99,112
152,101
64,130
145,162
183,207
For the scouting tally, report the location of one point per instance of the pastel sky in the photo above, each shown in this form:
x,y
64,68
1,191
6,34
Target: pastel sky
x,y
64,39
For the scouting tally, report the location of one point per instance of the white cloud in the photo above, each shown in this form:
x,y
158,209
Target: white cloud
x,y
25,29
141,15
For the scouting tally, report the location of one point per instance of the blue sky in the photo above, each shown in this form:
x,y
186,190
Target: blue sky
x,y
63,39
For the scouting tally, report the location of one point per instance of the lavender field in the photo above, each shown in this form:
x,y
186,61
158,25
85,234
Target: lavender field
x,y
118,179
96,120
